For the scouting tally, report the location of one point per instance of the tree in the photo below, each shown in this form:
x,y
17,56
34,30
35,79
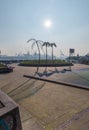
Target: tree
x,y
46,44
0,52
53,45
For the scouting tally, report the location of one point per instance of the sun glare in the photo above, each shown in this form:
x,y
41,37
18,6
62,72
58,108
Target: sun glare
x,y
47,23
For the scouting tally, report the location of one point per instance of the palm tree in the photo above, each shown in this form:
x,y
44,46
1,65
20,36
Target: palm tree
x,y
0,53
37,43
46,44
53,45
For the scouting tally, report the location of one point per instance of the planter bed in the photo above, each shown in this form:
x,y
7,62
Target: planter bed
x,y
6,69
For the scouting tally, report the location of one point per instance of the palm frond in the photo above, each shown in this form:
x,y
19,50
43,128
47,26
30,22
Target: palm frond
x,y
32,39
53,44
33,45
40,41
43,44
46,44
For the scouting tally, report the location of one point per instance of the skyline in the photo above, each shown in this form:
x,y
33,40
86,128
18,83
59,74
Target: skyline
x,y
21,20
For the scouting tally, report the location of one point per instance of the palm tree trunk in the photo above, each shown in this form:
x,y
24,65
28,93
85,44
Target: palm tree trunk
x,y
39,57
46,55
38,51
46,61
52,53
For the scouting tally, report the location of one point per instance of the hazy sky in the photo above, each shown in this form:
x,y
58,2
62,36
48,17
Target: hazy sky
x,y
21,20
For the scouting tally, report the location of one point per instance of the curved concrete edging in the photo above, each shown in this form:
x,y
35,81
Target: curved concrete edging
x,y
44,65
58,82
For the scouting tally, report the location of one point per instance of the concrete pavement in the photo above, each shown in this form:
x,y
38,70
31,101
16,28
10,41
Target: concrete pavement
x,y
47,106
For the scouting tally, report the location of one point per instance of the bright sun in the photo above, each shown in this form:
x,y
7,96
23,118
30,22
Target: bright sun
x,y
47,23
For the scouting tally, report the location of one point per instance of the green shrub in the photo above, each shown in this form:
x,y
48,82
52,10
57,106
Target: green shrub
x,y
43,62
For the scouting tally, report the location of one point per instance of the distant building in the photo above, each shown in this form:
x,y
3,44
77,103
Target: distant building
x,y
79,59
84,59
22,57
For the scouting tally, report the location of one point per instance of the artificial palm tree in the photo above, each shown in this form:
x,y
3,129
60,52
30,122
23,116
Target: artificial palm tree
x,y
53,45
38,43
46,44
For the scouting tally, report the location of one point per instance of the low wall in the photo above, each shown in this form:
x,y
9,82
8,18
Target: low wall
x,y
45,65
9,113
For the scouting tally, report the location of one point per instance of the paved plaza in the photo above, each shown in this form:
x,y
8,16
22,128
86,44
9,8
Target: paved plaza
x,y
49,106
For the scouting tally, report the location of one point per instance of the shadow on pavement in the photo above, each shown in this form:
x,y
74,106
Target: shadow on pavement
x,y
50,72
